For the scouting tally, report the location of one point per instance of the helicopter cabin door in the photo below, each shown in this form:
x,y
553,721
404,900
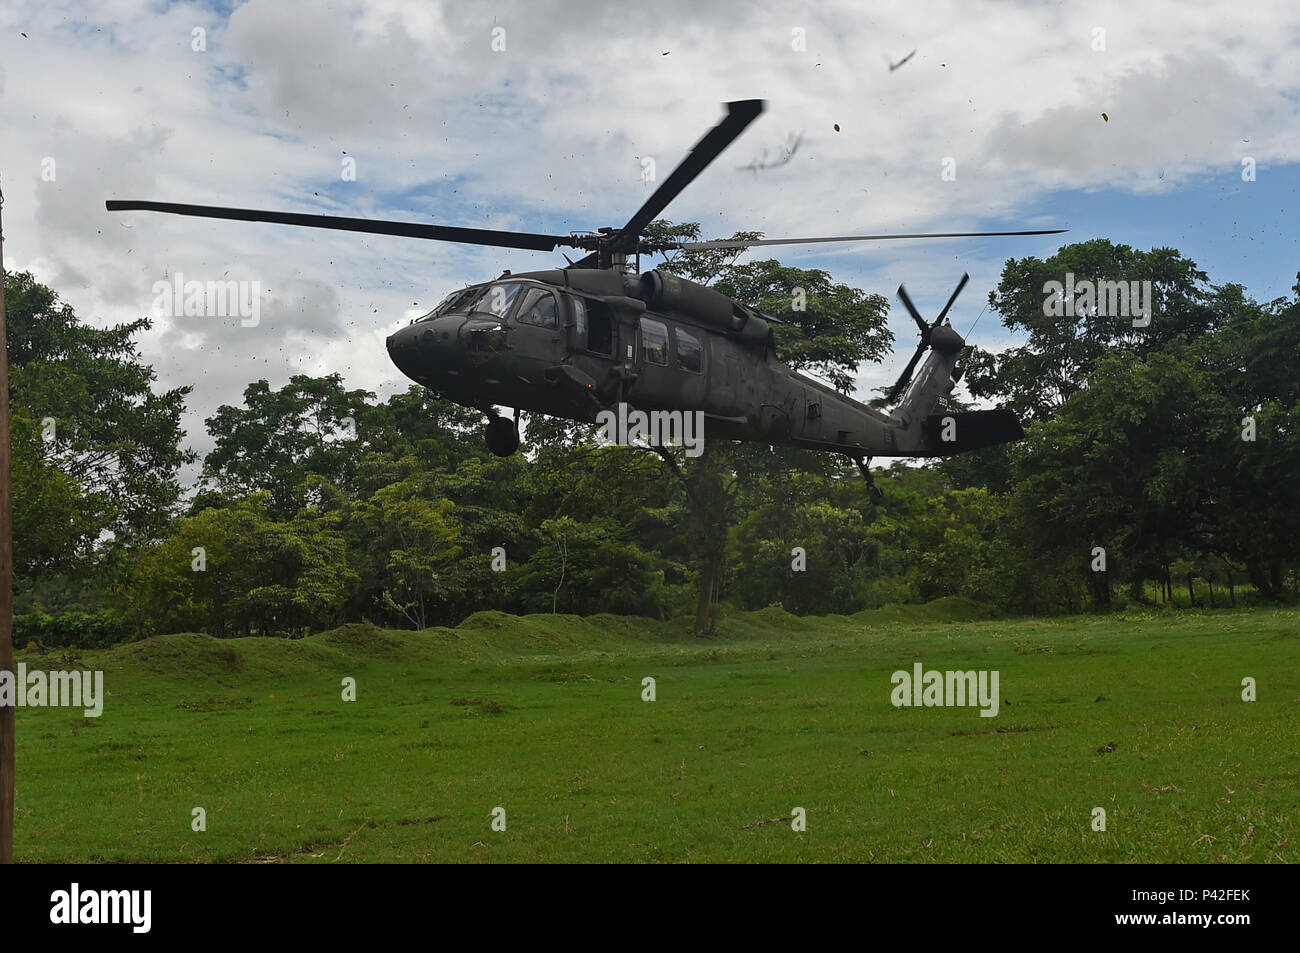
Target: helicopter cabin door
x,y
537,322
591,328
672,371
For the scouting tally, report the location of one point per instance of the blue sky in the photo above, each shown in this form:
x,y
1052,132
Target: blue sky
x,y
548,133
1243,232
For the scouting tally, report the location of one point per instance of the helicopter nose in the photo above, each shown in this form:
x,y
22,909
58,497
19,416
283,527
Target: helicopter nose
x,y
404,350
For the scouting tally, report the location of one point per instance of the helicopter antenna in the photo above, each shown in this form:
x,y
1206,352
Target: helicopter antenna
x,y
967,335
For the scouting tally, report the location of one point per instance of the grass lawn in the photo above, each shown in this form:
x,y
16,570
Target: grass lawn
x,y
1140,714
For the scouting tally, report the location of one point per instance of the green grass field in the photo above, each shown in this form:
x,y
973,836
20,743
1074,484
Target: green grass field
x,y
1140,714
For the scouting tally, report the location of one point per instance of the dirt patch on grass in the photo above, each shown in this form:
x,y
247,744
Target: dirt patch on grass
x,y
484,706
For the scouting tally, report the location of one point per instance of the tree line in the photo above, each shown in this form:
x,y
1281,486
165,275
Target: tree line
x,y
1160,460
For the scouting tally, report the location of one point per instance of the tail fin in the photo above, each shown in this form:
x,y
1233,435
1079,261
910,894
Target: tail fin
x,y
920,432
924,432
933,381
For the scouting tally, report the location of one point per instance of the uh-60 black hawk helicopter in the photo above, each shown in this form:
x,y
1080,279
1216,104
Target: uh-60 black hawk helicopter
x,y
571,342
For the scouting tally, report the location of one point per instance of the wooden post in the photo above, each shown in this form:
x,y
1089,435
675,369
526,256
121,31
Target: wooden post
x,y
7,712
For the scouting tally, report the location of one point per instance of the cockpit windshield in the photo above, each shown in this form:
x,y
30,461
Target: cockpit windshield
x,y
495,299
453,302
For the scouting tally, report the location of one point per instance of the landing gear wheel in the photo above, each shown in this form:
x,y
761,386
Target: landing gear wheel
x,y
502,436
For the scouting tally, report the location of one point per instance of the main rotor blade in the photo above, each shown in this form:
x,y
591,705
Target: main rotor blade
x,y
852,238
916,316
739,115
944,313
442,233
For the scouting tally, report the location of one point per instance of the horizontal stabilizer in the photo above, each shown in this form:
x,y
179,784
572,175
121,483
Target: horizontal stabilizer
x,y
972,430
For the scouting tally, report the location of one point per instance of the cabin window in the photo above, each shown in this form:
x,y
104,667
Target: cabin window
x,y
690,353
579,317
538,309
654,341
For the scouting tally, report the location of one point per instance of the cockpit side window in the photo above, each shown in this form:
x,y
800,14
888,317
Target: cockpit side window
x,y
538,309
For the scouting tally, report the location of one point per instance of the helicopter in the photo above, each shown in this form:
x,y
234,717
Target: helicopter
x,y
579,341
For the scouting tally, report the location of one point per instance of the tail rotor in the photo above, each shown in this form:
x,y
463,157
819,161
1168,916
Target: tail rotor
x,y
927,337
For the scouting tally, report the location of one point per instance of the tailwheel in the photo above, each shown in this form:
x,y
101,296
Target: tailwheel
x,y
502,436
873,491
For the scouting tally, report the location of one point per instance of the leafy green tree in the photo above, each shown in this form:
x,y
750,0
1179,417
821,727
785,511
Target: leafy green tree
x,y
1065,345
804,556
56,524
416,423
279,438
1124,465
590,567
96,449
1255,520
414,535
957,546
239,571
425,546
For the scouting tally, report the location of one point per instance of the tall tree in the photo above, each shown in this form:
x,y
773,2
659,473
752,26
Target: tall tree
x,y
96,449
1256,520
280,437
1124,467
1066,338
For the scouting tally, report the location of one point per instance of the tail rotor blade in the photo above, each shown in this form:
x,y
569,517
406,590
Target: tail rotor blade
x,y
911,309
944,313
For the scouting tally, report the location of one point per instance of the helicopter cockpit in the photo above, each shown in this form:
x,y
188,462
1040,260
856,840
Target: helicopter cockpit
x,y
481,316
538,308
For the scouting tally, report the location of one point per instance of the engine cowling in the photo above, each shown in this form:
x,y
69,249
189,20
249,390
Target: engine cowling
x,y
662,290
